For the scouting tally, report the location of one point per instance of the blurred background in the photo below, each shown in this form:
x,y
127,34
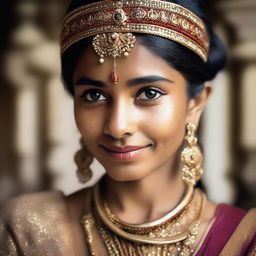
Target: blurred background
x,y
38,136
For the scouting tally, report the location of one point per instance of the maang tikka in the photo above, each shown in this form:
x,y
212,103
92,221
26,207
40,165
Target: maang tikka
x,y
114,44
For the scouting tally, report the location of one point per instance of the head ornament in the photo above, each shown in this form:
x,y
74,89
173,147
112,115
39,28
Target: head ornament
x,y
112,23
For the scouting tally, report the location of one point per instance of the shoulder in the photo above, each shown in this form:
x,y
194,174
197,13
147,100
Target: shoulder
x,y
226,220
29,209
20,205
243,239
229,216
34,221
45,204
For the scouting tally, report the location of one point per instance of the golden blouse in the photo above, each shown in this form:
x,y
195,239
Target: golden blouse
x,y
36,224
49,224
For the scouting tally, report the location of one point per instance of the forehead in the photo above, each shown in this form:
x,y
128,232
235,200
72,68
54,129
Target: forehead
x,y
140,62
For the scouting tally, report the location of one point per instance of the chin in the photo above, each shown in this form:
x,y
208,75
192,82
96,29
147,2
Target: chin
x,y
126,175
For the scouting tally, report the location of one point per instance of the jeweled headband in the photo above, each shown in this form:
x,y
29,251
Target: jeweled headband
x,y
112,23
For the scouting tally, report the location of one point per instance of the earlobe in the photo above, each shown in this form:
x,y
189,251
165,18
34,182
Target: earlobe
x,y
197,105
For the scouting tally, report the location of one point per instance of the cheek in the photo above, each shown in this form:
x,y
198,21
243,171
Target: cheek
x,y
167,119
89,121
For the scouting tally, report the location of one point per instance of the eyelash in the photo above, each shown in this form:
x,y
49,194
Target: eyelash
x,y
158,92
87,93
84,96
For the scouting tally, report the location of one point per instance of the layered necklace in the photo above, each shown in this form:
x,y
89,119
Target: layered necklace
x,y
174,234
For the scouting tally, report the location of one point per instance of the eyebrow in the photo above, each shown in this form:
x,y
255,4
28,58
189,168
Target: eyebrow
x,y
88,81
132,82
147,79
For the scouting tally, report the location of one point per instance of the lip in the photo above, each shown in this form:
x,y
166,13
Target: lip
x,y
125,153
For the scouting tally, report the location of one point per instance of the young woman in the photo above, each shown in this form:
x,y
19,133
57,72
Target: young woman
x,y
138,73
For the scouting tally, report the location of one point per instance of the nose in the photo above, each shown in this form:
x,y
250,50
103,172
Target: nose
x,y
121,120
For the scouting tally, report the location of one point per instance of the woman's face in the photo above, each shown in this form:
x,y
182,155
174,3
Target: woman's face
x,y
136,127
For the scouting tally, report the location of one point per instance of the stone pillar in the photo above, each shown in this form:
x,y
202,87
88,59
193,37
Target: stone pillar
x,y
240,16
216,142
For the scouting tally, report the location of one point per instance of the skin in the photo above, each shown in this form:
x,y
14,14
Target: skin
x,y
147,187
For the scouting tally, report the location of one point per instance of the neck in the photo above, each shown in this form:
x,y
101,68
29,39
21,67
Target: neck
x,y
146,199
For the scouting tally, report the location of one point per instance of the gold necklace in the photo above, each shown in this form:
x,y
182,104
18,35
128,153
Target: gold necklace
x,y
174,234
171,215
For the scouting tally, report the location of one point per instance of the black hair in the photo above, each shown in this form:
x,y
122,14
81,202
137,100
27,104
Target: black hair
x,y
188,63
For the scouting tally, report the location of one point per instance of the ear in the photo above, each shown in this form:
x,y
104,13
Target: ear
x,y
197,105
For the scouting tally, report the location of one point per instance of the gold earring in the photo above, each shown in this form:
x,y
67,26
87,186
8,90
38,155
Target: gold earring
x,y
191,157
83,159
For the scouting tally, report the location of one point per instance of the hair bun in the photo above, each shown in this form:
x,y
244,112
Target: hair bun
x,y
217,55
195,6
217,52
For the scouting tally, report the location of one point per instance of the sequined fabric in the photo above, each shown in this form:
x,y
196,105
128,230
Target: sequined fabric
x,y
35,224
41,225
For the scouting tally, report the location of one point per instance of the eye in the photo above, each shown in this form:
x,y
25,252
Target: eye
x,y
149,93
93,96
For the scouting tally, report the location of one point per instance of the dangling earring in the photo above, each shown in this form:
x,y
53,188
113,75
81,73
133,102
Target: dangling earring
x,y
83,159
191,157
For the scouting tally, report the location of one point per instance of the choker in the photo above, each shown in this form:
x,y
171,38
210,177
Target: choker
x,y
175,233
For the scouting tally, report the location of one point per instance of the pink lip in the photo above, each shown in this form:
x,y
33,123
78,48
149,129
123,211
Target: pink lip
x,y
125,153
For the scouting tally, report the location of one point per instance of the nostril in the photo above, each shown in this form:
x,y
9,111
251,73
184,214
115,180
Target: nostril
x,y
118,130
117,136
